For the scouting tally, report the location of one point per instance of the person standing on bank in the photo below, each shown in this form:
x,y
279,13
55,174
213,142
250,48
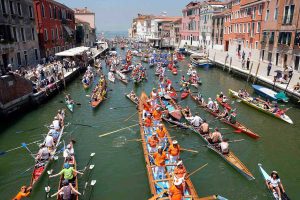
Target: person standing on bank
x,y
248,63
269,68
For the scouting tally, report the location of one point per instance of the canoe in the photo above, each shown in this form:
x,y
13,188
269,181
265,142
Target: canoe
x,y
70,106
172,110
122,77
41,166
73,164
266,176
249,102
238,126
229,158
224,104
270,94
133,98
100,97
158,185
200,60
184,95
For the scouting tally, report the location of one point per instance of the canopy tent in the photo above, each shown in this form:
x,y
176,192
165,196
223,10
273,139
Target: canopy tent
x,y
73,52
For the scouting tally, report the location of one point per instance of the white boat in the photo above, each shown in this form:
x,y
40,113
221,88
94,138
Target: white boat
x,y
111,77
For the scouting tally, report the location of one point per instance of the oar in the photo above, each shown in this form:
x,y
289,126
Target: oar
x,y
112,108
91,157
32,129
86,125
93,182
131,116
158,195
88,177
48,188
109,133
13,149
79,104
25,146
190,150
231,141
188,176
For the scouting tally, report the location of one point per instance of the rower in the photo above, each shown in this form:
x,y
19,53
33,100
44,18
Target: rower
x,y
60,116
179,173
176,191
69,151
224,146
215,137
49,141
204,128
148,124
232,117
66,191
56,123
153,141
68,173
174,151
275,109
161,133
274,184
168,83
224,99
224,114
215,107
156,116
221,95
24,192
196,121
210,104
43,153
187,111
159,160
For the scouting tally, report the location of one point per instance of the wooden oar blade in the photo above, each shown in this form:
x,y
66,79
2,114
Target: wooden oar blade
x,y
238,131
93,182
91,167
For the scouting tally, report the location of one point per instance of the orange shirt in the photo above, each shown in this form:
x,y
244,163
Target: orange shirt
x,y
160,158
20,195
148,122
156,115
176,193
174,151
153,141
146,107
179,172
161,133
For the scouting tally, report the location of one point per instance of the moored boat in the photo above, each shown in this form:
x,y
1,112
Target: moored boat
x,y
270,94
259,106
200,60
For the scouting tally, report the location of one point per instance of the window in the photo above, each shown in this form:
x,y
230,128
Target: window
x,y
57,37
52,34
43,10
256,45
248,30
25,57
50,11
3,5
276,14
285,38
30,12
15,34
253,13
252,28
288,14
245,28
45,35
19,9
258,27
33,34
36,54
19,58
267,15
260,9
11,7
271,39
23,34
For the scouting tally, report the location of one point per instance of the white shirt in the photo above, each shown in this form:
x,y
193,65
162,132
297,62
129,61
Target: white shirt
x,y
196,121
44,153
274,182
68,152
224,146
49,141
210,104
55,124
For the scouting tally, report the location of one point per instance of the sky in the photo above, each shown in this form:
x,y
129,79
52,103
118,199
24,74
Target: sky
x,y
117,15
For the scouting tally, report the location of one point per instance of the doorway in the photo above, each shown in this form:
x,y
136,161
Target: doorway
x,y
5,60
285,60
191,39
226,45
277,58
297,62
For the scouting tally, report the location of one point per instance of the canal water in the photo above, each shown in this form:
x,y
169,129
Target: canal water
x,y
119,165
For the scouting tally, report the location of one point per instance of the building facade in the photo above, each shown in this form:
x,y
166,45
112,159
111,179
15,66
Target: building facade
x,y
190,25
280,41
55,26
18,39
85,26
217,34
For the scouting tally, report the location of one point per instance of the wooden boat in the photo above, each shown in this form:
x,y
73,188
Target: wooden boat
x,y
72,163
200,60
239,126
184,94
266,176
270,94
224,104
229,158
100,94
70,106
171,108
250,101
134,98
111,77
122,77
174,71
41,166
157,186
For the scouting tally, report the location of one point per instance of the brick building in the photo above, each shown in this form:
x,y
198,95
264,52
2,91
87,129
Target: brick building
x,y
242,27
55,26
18,38
281,33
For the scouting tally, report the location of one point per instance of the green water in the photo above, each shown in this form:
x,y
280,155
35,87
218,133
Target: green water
x,y
120,168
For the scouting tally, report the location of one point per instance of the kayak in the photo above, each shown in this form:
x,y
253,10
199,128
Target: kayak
x,y
266,176
70,106
270,94
184,95
250,101
224,104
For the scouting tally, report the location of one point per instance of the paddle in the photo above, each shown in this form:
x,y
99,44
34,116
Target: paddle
x,y
91,157
79,104
13,149
32,129
87,125
131,116
121,107
189,150
25,146
88,177
48,188
158,195
198,169
93,182
109,133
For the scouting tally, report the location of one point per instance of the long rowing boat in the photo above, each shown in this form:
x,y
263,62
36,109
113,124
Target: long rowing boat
x,y
99,94
41,166
133,97
72,163
229,157
250,102
158,186
237,125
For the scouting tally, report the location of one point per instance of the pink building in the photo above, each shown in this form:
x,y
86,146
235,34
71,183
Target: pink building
x,y
190,25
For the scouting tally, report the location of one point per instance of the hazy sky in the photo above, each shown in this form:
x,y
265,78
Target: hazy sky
x,y
116,15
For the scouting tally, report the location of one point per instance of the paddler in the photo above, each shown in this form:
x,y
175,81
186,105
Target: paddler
x,y
224,146
176,191
210,104
56,124
68,173
67,191
187,111
161,133
274,184
180,172
24,192
156,116
174,151
196,121
153,141
215,137
168,83
43,153
49,141
159,160
215,107
232,117
148,124
69,151
224,114
204,127
221,95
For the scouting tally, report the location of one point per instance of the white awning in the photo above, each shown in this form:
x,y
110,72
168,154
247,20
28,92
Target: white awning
x,y
73,52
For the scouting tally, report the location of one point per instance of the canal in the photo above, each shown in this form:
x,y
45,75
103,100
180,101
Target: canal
x,y
120,167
